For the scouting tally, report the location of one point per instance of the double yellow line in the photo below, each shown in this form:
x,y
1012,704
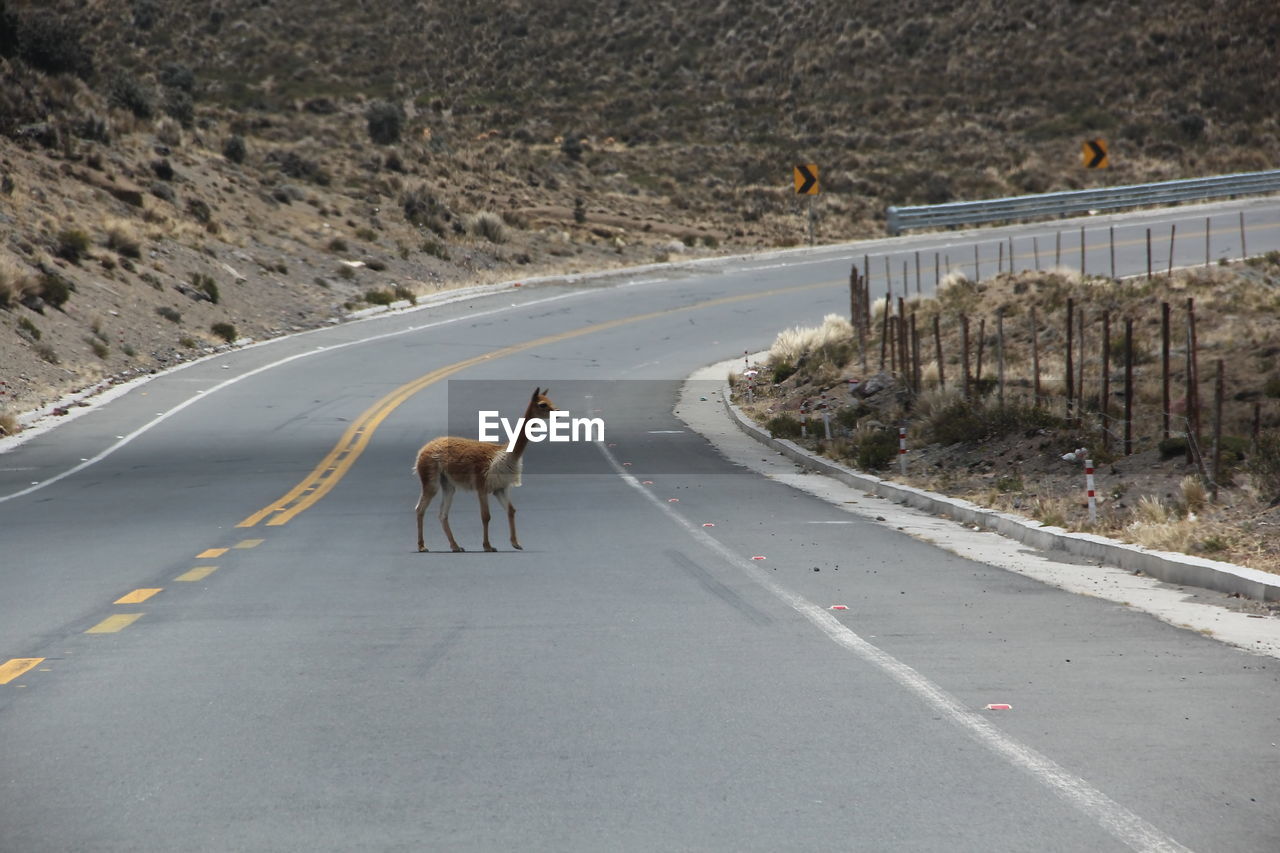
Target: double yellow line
x,y
334,466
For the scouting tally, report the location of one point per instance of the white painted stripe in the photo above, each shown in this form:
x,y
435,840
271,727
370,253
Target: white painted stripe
x,y
204,395
1123,824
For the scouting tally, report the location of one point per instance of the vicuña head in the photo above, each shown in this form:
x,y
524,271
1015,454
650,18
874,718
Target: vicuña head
x,y
449,463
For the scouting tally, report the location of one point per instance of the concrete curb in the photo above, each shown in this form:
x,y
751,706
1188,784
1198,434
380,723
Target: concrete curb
x,y
1172,568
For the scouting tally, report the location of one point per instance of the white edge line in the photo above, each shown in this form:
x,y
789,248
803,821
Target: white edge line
x,y
163,416
1123,824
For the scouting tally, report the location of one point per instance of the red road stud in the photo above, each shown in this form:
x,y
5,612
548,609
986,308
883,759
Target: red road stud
x,y
646,482
673,500
1000,707
757,557
839,607
708,524
626,464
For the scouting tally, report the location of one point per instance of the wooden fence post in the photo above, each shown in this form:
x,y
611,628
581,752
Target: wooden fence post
x,y
964,345
1035,355
904,342
1106,380
1128,386
915,354
1000,352
1080,348
1164,369
884,335
982,341
937,341
1218,392
1070,367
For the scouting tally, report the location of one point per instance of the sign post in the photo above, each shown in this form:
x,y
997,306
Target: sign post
x,y
806,180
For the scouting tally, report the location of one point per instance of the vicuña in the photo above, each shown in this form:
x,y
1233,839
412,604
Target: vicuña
x,y
449,463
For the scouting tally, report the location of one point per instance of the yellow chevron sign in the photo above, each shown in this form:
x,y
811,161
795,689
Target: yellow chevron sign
x,y
806,176
1094,153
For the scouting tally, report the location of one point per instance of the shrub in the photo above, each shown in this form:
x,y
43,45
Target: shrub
x,y
488,226
72,244
170,314
782,371
14,285
367,234
123,239
572,147
295,165
337,245
436,249
226,331
206,285
379,297
385,120
422,208
55,290
234,149
877,449
49,42
783,426
973,420
124,91
180,77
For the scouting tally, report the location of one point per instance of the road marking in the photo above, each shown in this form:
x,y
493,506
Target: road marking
x,y
1123,824
137,596
334,466
115,623
211,553
199,573
9,670
248,543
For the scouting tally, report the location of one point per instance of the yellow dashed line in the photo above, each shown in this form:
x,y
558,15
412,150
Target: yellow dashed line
x,y
16,667
137,596
211,553
112,624
249,543
199,573
334,466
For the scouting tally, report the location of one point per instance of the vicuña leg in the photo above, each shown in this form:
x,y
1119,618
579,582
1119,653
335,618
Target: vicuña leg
x,y
446,501
505,500
428,492
484,517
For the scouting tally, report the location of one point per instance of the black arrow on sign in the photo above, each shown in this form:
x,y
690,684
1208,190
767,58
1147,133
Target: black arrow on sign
x,y
1097,156
809,179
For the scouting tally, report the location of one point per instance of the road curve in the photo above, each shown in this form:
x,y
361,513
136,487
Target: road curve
x,y
216,634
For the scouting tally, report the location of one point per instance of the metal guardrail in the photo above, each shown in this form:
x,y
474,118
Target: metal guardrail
x,y
1080,201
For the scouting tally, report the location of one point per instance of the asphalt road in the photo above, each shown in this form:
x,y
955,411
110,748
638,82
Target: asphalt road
x,y
287,673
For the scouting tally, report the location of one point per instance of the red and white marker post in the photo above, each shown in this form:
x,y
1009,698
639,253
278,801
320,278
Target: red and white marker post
x,y
1088,484
902,450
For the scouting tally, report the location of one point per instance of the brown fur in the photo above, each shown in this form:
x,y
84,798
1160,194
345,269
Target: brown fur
x,y
448,463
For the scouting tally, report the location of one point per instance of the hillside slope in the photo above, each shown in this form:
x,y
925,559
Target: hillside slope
x,y
149,149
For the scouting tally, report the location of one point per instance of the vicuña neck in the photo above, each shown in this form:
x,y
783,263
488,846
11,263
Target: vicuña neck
x,y
522,440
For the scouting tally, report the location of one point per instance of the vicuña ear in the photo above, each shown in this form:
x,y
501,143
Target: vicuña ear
x,y
536,392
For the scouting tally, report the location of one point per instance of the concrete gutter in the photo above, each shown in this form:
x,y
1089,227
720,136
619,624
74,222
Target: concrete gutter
x,y
1167,566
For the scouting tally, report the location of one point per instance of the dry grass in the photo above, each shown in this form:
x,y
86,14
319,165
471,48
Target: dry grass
x,y
829,342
